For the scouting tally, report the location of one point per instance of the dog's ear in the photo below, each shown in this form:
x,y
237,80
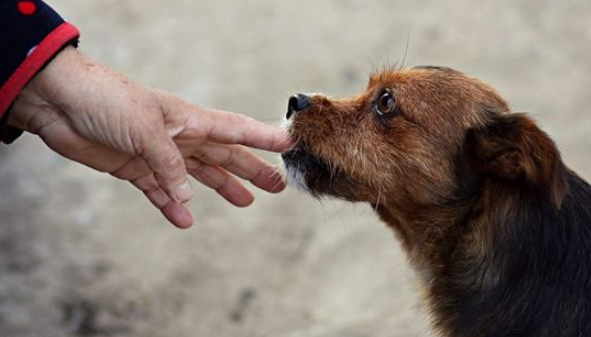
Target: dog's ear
x,y
512,147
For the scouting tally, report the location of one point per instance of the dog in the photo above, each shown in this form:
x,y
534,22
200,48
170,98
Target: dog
x,y
497,226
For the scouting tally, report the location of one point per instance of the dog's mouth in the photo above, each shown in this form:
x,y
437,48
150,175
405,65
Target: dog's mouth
x,y
306,171
314,174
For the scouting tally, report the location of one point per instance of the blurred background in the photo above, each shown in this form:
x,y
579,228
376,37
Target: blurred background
x,y
82,254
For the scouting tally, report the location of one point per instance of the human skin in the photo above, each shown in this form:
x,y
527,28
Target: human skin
x,y
100,118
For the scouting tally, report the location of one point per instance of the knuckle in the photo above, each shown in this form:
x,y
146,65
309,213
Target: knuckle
x,y
173,162
223,184
264,172
229,161
198,170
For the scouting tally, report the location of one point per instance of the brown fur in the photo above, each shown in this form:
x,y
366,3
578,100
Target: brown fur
x,y
449,171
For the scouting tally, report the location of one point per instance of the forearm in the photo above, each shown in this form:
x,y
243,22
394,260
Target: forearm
x,y
31,34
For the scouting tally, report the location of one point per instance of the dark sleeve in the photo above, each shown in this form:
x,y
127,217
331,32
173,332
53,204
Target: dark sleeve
x,y
31,34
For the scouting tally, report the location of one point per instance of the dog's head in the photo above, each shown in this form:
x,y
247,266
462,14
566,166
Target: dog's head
x,y
414,137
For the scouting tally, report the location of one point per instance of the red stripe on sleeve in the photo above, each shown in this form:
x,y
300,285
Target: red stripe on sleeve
x,y
47,49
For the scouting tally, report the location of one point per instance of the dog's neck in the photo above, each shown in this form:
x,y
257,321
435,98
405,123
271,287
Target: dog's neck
x,y
433,234
429,233
505,242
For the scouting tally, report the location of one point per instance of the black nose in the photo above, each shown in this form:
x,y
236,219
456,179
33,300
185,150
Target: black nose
x,y
296,104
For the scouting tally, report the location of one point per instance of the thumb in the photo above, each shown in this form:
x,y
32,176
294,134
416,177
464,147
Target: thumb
x,y
166,161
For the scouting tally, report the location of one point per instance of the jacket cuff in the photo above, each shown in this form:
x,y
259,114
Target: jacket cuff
x,y
40,56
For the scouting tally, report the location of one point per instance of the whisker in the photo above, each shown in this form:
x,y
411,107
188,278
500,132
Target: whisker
x,y
281,92
405,51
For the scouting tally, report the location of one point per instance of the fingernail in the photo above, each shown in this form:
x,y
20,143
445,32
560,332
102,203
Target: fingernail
x,y
184,192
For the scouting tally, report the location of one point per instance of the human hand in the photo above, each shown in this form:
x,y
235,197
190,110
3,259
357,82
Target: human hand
x,y
99,118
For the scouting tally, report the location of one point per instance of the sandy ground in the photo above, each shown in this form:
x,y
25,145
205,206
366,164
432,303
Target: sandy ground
x,y
84,255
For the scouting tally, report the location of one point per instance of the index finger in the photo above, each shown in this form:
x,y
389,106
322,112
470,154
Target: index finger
x,y
233,128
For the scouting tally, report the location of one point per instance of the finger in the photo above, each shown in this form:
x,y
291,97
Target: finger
x,y
243,163
222,182
134,168
175,213
232,128
73,146
166,161
178,215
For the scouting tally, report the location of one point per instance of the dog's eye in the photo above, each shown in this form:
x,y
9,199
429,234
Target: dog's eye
x,y
386,103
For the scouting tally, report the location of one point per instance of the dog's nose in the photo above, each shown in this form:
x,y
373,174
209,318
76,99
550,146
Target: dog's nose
x,y
297,103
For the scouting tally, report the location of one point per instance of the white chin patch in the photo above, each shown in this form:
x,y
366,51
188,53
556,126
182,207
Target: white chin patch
x,y
297,179
286,124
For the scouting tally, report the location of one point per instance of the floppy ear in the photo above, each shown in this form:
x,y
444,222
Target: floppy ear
x,y
512,147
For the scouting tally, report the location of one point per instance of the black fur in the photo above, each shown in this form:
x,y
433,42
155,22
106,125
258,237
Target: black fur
x,y
541,264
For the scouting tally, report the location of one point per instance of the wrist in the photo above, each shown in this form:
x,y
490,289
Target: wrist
x,y
54,82
42,93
